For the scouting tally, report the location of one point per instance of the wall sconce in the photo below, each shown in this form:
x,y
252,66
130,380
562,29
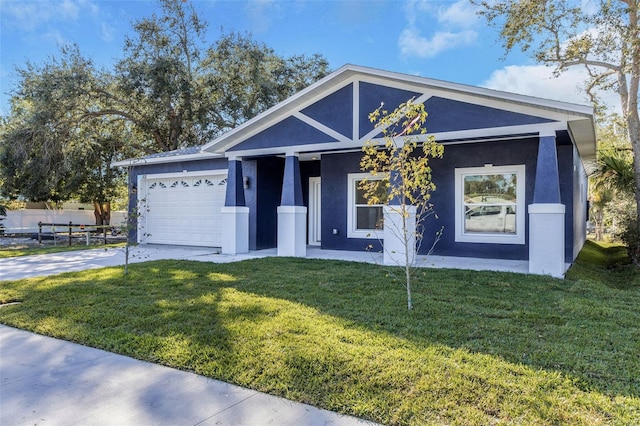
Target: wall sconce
x,y
245,182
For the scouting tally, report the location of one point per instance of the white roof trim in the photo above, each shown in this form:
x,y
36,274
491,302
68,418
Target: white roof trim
x,y
491,93
347,74
576,117
167,159
484,133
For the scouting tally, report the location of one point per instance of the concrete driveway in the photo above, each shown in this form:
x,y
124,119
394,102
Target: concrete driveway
x,y
14,268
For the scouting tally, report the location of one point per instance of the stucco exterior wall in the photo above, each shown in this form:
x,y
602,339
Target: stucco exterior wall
x,y
336,167
580,213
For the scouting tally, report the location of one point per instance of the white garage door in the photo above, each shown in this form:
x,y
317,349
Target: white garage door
x,y
183,210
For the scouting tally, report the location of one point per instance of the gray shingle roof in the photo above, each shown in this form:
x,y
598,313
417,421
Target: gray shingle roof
x,y
177,152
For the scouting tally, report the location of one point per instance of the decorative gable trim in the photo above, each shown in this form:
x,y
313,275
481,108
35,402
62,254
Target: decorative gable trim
x,y
324,107
335,108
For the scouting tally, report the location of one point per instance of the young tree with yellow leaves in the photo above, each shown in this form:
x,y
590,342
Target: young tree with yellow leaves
x,y
401,182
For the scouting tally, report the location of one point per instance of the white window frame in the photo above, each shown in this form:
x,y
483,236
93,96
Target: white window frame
x,y
491,238
352,232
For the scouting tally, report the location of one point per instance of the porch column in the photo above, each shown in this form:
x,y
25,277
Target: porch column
x,y
235,215
292,214
546,214
394,233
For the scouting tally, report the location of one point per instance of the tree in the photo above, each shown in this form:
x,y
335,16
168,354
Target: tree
x,y
247,77
612,183
49,149
401,177
69,121
158,84
93,180
170,89
604,38
179,92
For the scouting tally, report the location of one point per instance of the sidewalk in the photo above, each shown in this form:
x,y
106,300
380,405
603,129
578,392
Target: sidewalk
x,y
53,382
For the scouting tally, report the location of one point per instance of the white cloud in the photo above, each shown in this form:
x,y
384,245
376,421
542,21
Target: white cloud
x,y
539,81
56,37
461,13
261,13
413,8
589,7
30,15
106,31
68,10
411,43
454,26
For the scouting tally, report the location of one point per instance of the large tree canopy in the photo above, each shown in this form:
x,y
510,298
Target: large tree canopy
x,y
248,77
179,92
159,82
70,121
603,36
53,154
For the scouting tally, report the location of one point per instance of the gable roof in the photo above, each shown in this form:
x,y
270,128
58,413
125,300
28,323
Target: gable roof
x,y
332,114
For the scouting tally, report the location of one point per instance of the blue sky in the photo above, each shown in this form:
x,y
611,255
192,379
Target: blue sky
x,y
442,39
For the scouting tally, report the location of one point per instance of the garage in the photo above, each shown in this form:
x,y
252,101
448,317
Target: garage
x,y
183,210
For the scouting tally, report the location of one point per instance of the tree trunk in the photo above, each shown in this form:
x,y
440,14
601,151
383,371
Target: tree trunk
x,y
102,213
628,84
407,260
634,134
598,219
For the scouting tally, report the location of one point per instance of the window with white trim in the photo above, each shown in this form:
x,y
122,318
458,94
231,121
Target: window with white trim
x,y
490,204
363,220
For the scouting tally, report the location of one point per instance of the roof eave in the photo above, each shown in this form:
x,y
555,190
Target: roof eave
x,y
169,159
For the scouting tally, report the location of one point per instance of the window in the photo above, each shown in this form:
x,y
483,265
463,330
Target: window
x,y
490,204
363,220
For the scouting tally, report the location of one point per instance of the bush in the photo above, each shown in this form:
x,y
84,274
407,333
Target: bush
x,y
629,235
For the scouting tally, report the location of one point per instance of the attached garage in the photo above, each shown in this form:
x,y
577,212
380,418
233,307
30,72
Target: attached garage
x,y
182,209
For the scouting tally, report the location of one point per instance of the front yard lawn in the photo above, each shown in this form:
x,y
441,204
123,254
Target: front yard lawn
x,y
479,348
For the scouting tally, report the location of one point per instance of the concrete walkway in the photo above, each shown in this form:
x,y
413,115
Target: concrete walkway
x,y
46,381
48,264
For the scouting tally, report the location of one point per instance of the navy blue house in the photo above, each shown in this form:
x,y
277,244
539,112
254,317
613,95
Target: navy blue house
x,y
511,185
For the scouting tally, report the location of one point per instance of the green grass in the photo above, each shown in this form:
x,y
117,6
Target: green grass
x,y
480,347
605,263
19,250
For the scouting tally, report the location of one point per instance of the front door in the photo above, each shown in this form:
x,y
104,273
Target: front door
x,y
314,211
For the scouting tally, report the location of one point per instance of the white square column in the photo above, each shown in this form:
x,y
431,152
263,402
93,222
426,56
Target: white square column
x,y
235,229
546,239
292,231
394,235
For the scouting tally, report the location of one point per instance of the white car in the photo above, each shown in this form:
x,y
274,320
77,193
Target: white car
x,y
491,219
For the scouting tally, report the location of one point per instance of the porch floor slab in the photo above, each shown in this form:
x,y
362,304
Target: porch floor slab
x,y
432,261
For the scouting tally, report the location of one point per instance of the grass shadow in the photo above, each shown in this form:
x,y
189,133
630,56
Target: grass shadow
x,y
338,335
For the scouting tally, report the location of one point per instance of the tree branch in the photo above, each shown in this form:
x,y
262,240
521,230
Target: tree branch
x,y
589,62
